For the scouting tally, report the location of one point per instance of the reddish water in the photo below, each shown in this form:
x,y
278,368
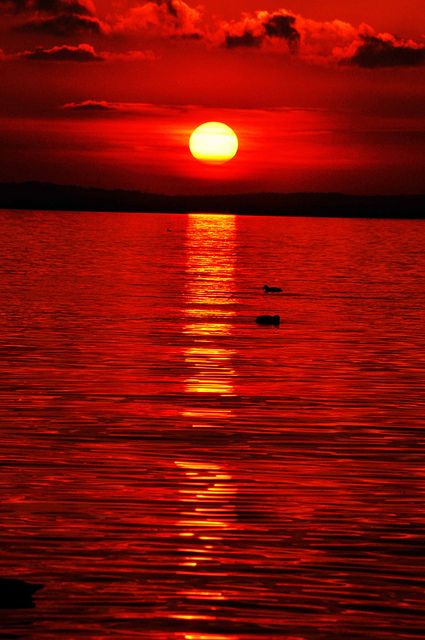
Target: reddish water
x,y
171,470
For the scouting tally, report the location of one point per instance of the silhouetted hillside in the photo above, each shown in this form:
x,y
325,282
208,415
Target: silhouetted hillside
x,y
37,195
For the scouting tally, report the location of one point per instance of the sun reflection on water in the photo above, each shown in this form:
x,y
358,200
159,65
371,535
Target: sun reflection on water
x,y
207,491
210,244
206,494
207,636
207,513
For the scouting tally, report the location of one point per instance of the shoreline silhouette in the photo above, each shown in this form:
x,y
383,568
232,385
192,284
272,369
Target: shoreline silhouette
x,y
49,196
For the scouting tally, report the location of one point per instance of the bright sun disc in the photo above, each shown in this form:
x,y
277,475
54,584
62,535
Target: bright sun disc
x,y
213,142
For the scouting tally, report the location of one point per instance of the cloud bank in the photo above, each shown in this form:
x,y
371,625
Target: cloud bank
x,y
261,29
90,105
163,18
281,32
55,17
64,53
384,50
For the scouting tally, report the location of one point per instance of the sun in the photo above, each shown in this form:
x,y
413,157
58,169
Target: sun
x,y
213,143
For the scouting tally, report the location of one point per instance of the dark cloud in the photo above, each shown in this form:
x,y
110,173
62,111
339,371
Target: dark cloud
x,y
172,9
63,25
282,26
378,51
90,105
93,108
56,17
73,7
64,53
253,31
161,18
80,53
247,39
12,6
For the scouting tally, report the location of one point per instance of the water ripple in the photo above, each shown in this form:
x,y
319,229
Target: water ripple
x,y
172,471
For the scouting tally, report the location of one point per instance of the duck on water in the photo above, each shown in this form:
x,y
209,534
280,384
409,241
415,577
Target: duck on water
x,y
17,594
268,289
268,320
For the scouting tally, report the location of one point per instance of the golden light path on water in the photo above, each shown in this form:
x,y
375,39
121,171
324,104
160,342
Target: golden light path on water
x,y
210,245
207,490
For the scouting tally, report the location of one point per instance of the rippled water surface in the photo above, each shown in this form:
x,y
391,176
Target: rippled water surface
x,y
172,471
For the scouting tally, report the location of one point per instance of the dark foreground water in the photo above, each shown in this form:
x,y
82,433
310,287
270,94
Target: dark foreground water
x,y
171,470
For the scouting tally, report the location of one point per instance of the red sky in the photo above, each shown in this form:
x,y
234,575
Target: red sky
x,y
323,96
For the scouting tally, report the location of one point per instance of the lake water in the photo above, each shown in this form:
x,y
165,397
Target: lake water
x,y
172,471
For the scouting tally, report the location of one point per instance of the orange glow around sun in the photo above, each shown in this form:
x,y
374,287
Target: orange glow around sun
x,y
213,143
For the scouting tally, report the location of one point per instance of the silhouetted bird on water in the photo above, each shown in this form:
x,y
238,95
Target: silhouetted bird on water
x,y
17,594
268,289
271,320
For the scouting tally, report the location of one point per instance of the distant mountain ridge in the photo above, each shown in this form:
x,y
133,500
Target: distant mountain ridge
x,y
47,196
